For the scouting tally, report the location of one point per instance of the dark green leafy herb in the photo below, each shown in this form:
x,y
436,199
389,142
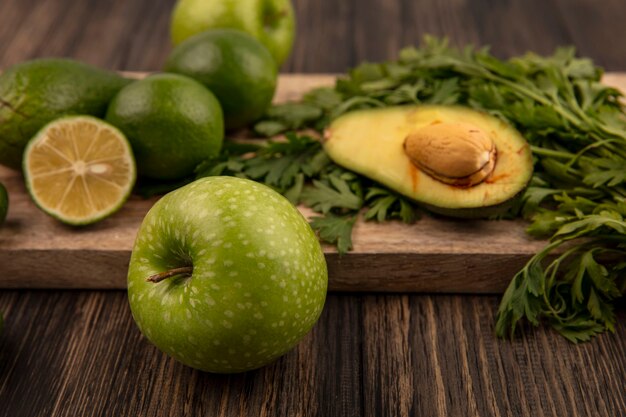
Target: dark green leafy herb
x,y
283,166
300,170
336,230
288,117
577,129
384,204
335,193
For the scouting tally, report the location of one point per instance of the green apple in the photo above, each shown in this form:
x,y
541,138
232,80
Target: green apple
x,y
270,21
226,275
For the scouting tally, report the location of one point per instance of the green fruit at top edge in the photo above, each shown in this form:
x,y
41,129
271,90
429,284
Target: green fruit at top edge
x,y
4,203
272,22
172,123
253,279
34,93
234,66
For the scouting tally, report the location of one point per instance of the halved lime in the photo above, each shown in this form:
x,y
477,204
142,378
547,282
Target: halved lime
x,y
79,169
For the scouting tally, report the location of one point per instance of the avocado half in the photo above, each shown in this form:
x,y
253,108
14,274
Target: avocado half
x,y
375,143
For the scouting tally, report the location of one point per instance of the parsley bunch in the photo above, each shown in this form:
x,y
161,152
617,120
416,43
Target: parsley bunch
x,y
577,130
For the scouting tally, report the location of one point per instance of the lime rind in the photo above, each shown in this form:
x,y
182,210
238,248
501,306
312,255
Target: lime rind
x,y
101,214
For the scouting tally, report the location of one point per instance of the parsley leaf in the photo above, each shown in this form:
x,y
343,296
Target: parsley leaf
x,y
335,192
336,230
384,204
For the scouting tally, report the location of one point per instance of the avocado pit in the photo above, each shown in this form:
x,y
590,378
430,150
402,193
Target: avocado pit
x,y
459,154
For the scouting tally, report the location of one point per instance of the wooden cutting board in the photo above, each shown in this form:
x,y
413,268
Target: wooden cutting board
x,y
432,255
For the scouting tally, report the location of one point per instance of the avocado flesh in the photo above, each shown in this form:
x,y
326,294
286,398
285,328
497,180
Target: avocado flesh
x,y
36,92
370,142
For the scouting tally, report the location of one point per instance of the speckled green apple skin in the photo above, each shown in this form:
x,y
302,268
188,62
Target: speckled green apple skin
x,y
259,276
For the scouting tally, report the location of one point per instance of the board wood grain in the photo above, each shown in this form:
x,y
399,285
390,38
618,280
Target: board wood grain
x,y
432,255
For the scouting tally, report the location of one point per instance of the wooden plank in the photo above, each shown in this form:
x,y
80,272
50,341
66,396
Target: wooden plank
x,y
433,255
77,353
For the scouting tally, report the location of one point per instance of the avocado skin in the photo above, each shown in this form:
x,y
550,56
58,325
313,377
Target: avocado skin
x,y
36,92
475,212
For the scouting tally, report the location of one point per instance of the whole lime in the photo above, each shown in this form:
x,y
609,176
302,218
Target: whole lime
x,y
237,68
4,203
172,123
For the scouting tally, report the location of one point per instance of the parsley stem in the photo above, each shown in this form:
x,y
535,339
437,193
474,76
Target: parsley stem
x,y
550,152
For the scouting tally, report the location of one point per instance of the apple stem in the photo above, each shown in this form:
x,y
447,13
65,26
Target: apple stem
x,y
184,270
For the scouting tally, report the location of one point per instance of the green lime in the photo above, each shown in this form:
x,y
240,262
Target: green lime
x,y
237,68
172,122
4,203
79,169
36,92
